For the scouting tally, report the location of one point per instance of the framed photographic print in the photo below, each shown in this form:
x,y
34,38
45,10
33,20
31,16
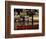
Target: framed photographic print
x,y
24,19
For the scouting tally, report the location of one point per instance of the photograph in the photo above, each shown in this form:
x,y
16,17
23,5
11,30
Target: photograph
x,y
26,19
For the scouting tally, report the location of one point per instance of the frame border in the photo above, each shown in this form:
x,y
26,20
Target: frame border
x,y
8,20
